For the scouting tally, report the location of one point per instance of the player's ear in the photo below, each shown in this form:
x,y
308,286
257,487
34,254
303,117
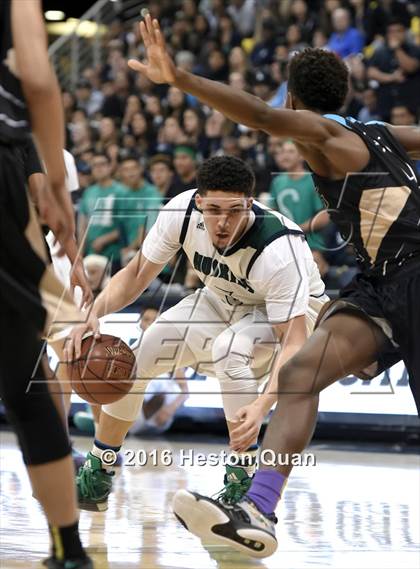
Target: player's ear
x,y
290,104
198,201
249,202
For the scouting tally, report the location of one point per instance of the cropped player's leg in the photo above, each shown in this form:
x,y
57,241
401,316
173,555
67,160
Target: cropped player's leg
x,y
34,416
42,436
65,390
61,371
240,353
343,344
403,313
161,350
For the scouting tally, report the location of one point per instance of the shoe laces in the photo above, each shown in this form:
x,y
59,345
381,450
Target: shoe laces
x,y
87,478
233,491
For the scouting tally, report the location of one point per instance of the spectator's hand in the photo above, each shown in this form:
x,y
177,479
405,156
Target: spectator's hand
x,y
397,76
164,414
98,244
243,436
159,67
73,342
78,278
394,42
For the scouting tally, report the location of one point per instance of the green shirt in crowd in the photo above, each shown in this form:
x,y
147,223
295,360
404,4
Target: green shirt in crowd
x,y
297,199
139,208
100,205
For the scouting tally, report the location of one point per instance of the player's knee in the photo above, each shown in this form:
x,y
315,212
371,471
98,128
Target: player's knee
x,y
127,408
297,377
234,367
15,400
220,349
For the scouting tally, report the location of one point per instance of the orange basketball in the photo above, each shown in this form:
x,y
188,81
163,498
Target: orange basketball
x,y
105,371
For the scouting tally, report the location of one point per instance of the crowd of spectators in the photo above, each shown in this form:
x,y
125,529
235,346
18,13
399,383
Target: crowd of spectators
x,y
133,139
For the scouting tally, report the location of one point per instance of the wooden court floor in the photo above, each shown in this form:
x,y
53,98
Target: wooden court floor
x,y
352,510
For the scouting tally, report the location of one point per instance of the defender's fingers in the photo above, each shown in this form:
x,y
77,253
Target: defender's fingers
x,y
137,65
150,28
144,35
160,40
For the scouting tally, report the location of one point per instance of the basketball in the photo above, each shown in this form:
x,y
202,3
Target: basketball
x,y
105,371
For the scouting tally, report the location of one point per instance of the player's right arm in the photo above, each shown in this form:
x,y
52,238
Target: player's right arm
x,y
123,289
235,104
42,94
161,244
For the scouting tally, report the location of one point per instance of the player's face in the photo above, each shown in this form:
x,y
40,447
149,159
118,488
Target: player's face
x,y
225,215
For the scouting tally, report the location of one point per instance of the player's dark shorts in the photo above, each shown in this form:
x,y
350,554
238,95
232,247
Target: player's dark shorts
x,y
21,268
393,303
27,287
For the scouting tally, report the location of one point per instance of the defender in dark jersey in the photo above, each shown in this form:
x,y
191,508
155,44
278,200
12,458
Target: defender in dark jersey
x,y
28,289
364,173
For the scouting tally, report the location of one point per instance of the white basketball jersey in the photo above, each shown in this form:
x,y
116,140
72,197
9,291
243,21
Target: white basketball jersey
x,y
271,264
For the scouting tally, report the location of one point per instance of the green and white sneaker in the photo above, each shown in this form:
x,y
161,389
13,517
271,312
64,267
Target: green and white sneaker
x,y
94,485
241,525
237,483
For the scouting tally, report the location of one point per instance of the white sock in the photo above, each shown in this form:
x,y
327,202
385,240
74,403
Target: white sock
x,y
248,460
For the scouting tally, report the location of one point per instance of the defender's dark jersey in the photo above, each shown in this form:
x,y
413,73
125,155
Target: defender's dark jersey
x,y
14,117
378,208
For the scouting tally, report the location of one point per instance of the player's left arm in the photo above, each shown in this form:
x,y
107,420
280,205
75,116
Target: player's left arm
x,y
281,276
409,137
236,104
292,335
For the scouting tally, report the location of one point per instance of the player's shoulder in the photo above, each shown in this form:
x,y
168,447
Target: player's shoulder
x,y
273,238
182,201
272,221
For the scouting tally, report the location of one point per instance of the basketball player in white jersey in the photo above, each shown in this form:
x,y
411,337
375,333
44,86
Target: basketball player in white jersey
x,y
262,292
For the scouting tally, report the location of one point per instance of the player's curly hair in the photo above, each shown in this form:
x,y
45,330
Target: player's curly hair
x,y
227,174
319,79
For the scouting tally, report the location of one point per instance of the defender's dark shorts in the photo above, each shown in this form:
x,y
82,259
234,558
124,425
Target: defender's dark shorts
x,y
21,268
29,292
393,303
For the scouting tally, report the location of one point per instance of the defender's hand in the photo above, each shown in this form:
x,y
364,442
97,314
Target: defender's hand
x,y
159,67
78,278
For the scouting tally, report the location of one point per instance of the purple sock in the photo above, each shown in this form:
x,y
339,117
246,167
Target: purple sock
x,y
265,490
